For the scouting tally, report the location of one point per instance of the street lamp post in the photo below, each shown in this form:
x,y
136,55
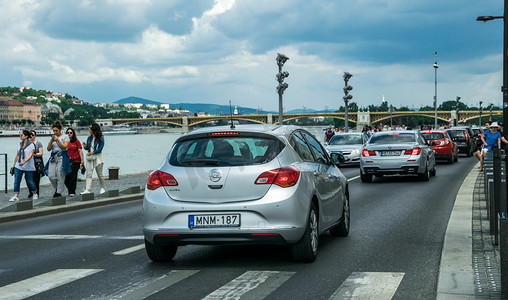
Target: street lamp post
x,y
281,59
504,88
391,123
435,94
347,97
490,110
480,120
457,119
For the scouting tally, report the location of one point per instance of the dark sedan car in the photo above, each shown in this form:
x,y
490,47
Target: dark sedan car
x,y
464,137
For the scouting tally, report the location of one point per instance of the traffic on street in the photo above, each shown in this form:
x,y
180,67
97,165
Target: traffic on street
x,y
397,227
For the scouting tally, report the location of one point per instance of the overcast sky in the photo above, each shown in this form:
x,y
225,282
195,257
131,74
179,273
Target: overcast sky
x,y
206,51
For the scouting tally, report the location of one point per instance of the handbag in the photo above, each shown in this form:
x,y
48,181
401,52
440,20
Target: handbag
x,y
91,157
39,165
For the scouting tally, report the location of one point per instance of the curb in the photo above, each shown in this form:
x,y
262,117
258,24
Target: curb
x,y
44,211
456,275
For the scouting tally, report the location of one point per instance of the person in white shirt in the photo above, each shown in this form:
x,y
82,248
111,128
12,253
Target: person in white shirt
x,y
24,164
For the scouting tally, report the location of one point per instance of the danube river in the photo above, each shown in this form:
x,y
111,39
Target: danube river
x,y
131,153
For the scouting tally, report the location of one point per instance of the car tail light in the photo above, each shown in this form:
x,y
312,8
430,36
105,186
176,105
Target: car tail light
x,y
283,177
158,178
224,133
467,137
445,142
415,151
367,153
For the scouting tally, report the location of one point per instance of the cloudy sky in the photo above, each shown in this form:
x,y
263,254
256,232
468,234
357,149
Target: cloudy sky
x,y
206,51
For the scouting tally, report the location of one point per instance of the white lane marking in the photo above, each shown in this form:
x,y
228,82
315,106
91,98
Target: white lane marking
x,y
69,237
353,178
247,282
369,285
144,289
129,250
44,282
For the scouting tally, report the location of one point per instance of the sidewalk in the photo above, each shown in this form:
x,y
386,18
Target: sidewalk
x,y
125,188
470,265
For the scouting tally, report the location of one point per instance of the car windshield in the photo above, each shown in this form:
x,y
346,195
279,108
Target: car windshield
x,y
225,151
392,138
346,139
433,136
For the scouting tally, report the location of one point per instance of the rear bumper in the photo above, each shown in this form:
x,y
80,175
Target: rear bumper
x,y
218,239
406,170
446,156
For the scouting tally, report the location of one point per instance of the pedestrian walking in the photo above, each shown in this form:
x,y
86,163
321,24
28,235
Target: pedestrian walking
x,y
58,165
76,158
490,139
39,162
329,134
24,164
94,145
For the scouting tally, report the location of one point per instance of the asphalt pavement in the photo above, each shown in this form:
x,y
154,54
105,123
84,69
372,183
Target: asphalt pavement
x,y
469,269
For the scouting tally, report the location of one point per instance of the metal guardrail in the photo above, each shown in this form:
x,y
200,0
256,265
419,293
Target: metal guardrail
x,y
496,192
5,170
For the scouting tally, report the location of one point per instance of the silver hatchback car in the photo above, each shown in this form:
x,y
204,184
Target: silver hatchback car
x,y
397,152
251,184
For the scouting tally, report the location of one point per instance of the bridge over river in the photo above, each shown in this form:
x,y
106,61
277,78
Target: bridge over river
x,y
360,118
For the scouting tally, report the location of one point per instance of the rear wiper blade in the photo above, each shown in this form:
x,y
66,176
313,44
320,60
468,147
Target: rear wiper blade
x,y
212,162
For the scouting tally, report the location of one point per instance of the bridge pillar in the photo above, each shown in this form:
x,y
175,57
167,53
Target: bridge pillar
x,y
453,116
363,119
185,124
269,119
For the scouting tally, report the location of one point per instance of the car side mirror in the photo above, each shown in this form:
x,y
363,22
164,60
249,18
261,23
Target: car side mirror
x,y
337,158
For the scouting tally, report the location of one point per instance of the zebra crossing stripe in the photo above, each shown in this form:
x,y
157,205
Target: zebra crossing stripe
x,y
148,289
369,285
44,282
129,250
251,285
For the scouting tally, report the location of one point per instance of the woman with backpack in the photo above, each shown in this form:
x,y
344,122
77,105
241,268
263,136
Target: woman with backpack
x,y
24,164
39,162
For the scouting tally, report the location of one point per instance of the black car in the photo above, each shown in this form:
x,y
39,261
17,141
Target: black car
x,y
465,139
478,131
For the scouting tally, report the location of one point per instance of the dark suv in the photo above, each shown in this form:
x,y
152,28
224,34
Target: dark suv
x,y
465,139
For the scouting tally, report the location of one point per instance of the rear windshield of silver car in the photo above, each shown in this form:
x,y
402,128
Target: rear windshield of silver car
x,y
392,138
237,150
348,139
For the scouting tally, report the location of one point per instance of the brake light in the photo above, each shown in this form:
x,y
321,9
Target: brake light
x,y
283,177
415,151
367,153
224,133
157,178
445,142
467,137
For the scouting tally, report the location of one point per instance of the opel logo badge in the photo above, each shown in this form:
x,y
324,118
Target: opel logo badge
x,y
215,175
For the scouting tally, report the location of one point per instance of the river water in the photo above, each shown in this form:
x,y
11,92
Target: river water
x,y
132,153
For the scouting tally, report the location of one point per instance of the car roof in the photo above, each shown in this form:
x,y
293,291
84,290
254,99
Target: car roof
x,y
396,131
434,130
272,129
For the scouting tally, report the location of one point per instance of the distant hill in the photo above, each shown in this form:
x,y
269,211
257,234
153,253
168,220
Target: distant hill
x,y
136,100
212,109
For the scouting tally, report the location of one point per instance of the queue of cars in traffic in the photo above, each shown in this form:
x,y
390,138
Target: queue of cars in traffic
x,y
272,184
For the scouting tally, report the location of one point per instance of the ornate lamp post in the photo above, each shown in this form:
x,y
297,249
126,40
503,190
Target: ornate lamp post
x,y
281,59
457,119
347,97
435,93
480,120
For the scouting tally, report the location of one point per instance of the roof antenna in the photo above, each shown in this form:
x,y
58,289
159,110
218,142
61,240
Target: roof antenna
x,y
231,116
